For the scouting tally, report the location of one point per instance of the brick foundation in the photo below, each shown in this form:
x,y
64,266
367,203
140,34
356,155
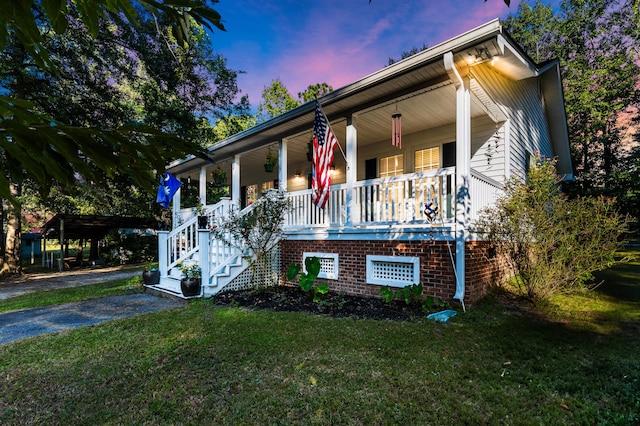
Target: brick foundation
x,y
437,271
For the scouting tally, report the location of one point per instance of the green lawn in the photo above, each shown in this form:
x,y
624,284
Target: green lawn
x,y
576,362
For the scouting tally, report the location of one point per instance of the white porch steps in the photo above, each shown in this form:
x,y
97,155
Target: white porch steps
x,y
226,273
170,285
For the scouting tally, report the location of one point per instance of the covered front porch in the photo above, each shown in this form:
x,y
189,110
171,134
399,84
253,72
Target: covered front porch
x,y
409,207
453,138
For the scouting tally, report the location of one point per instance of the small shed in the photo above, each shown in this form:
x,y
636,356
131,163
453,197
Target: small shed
x,y
31,245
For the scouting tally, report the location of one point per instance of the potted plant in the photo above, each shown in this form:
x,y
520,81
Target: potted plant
x,y
219,175
191,280
272,160
150,275
202,218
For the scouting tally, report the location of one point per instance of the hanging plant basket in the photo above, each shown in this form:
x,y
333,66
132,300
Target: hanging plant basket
x,y
268,167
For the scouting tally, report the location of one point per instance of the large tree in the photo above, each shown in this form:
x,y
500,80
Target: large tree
x,y
276,100
99,102
53,150
596,42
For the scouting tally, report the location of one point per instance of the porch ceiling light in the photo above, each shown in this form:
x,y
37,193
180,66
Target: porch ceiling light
x,y
482,55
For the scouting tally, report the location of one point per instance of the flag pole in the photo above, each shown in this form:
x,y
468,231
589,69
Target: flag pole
x,y
330,128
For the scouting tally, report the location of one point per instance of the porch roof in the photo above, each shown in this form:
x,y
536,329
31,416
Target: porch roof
x,y
374,97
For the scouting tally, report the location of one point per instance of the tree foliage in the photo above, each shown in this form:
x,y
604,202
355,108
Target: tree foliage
x,y
596,43
23,19
552,244
408,53
276,100
47,148
98,84
97,96
314,91
240,119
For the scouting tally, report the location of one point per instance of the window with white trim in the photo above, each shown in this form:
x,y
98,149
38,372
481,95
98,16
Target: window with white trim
x,y
394,271
427,160
392,166
328,264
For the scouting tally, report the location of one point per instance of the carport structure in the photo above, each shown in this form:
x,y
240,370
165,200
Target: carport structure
x,y
65,227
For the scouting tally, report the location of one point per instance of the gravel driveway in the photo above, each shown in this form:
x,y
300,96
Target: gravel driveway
x,y
15,286
25,323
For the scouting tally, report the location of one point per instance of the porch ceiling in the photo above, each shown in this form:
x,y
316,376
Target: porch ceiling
x,y
425,109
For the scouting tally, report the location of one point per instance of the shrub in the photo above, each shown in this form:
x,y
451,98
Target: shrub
x,y
552,244
256,228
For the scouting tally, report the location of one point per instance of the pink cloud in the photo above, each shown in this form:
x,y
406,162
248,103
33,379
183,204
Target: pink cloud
x,y
340,42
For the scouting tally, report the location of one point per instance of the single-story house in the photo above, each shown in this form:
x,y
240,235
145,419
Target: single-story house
x,y
467,114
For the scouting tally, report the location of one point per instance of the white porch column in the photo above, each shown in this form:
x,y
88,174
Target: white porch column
x,y
202,185
282,164
203,259
463,169
351,168
176,208
235,180
163,253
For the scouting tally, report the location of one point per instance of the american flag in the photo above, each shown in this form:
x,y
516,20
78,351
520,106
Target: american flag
x,y
324,143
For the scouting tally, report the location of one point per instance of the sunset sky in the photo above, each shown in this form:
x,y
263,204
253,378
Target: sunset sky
x,y
336,41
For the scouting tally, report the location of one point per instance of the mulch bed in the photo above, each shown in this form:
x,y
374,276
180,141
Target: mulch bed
x,y
293,299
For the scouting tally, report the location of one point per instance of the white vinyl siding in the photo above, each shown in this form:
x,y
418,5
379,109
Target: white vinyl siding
x,y
523,104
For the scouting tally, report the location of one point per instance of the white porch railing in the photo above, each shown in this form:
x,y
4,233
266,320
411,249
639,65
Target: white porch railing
x,y
402,199
395,200
484,192
181,243
304,213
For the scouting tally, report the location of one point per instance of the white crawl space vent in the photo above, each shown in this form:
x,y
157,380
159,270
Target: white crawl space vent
x,y
328,264
394,271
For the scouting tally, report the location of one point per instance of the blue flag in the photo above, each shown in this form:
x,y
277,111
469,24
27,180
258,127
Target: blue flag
x,y
169,185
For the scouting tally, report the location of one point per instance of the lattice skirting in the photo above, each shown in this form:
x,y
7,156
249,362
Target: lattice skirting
x,y
259,275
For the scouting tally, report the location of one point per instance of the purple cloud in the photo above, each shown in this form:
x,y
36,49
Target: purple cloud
x,y
334,41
